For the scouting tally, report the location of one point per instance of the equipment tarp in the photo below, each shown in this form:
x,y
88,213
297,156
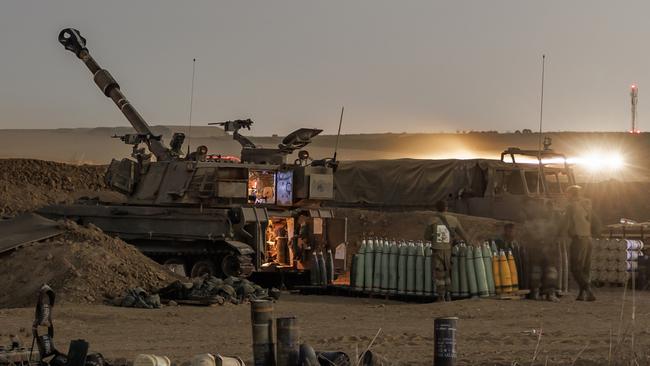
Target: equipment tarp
x,y
25,229
408,182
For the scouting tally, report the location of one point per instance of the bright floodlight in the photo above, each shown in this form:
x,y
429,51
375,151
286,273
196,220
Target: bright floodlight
x,y
600,161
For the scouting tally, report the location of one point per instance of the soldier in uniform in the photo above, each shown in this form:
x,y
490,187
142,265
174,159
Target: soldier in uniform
x,y
444,231
543,252
507,240
577,224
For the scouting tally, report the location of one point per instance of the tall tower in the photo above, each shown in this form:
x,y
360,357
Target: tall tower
x,y
634,94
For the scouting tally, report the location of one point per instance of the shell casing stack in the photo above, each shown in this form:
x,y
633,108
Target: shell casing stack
x,y
613,260
480,272
393,267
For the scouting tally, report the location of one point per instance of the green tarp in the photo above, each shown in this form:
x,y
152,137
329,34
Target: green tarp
x,y
408,182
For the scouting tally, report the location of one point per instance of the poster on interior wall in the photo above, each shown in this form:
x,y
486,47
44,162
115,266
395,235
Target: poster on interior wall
x,y
284,187
318,226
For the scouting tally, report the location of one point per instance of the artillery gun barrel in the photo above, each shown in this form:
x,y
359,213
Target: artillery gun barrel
x,y
72,40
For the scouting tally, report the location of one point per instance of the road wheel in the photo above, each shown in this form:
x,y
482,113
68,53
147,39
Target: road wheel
x,y
202,267
176,265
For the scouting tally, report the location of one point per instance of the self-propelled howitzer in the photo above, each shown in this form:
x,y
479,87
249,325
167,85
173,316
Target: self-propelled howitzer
x,y
209,213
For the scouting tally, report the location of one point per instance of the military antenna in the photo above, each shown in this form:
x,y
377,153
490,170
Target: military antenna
x,y
336,147
189,131
541,118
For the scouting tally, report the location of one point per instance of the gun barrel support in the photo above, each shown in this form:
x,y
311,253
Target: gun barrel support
x,y
73,41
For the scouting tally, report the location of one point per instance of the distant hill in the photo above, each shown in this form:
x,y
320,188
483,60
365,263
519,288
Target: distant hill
x,y
95,145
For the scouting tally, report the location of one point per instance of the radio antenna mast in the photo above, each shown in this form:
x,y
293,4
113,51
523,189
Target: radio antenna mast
x,y
634,95
336,147
541,119
189,131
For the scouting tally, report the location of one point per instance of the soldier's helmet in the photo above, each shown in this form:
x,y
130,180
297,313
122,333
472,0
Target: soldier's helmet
x,y
574,191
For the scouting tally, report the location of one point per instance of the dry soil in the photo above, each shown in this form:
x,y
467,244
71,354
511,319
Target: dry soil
x,y
491,332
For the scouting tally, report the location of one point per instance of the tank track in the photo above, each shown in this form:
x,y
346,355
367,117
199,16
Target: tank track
x,y
246,265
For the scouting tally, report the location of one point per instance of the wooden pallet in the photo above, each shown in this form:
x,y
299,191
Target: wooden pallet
x,y
344,290
516,295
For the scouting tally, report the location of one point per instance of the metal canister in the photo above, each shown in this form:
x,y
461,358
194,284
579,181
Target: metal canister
x,y
314,270
288,337
228,361
368,265
376,274
323,269
444,341
262,323
401,268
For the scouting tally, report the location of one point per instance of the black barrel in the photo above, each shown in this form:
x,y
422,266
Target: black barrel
x,y
444,341
288,339
262,324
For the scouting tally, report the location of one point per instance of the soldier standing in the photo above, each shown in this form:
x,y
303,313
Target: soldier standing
x,y
543,252
507,240
577,224
443,232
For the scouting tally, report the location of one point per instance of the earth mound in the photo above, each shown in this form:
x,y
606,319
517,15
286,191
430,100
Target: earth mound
x,y
26,184
83,265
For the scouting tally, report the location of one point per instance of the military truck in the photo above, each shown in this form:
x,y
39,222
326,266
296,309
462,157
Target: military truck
x,y
521,182
208,213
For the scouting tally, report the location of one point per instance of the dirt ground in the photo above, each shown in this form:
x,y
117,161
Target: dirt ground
x,y
491,332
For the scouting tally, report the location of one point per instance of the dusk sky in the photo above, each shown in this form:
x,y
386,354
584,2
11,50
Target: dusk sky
x,y
415,66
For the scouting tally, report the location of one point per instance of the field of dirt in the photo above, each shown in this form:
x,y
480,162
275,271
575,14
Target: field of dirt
x,y
491,332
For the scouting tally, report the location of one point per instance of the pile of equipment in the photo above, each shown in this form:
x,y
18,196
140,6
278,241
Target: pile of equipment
x,y
211,290
614,260
483,271
398,267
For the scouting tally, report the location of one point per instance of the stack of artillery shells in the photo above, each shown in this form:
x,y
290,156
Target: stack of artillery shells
x,y
614,260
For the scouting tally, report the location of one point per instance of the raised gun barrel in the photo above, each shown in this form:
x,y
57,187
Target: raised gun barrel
x,y
72,40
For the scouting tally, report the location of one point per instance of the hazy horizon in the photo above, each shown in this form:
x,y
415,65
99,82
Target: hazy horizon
x,y
416,67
